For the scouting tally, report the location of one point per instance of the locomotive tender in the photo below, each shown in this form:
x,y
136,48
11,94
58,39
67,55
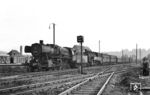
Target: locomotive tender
x,y
50,56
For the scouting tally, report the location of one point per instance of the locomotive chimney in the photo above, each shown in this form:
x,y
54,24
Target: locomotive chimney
x,y
41,42
21,50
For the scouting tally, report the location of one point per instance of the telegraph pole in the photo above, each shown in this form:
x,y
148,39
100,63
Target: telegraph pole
x,y
53,32
122,56
140,55
99,48
81,60
136,53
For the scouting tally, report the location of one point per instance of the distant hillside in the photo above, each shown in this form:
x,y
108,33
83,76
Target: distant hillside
x,y
3,52
130,53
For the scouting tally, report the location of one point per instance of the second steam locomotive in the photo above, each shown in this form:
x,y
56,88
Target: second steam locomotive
x,y
50,56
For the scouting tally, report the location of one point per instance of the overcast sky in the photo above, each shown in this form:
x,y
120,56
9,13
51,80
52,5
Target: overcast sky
x,y
118,24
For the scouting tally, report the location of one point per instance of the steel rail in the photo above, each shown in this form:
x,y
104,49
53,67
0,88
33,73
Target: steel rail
x,y
103,87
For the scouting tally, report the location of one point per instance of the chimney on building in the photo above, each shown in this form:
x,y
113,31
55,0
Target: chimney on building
x,y
41,42
21,50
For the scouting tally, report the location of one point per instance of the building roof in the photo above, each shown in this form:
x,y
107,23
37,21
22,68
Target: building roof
x,y
14,53
4,55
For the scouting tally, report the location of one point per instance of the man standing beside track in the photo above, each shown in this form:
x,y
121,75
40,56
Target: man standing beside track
x,y
145,67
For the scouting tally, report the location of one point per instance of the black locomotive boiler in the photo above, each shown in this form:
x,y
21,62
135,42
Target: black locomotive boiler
x,y
49,56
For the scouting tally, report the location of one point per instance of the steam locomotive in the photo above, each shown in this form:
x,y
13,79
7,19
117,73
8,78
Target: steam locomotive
x,y
50,56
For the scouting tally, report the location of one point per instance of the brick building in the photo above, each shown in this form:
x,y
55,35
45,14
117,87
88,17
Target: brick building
x,y
16,57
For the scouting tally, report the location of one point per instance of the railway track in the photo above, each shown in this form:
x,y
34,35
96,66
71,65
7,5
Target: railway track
x,y
92,86
35,74
50,85
30,79
45,85
89,87
29,74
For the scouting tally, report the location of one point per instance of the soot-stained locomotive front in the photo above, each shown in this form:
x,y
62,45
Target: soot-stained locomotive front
x,y
49,56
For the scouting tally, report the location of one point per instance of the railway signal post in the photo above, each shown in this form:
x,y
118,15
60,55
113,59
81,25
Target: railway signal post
x,y
80,40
